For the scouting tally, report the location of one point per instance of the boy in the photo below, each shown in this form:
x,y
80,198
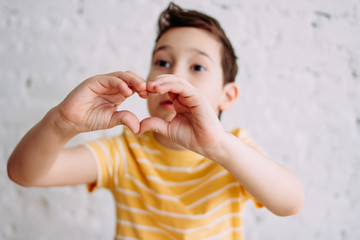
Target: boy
x,y
176,174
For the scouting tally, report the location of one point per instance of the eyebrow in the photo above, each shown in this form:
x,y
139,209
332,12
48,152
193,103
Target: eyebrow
x,y
164,47
160,48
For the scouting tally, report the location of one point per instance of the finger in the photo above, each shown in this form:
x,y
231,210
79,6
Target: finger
x,y
177,88
170,83
109,85
141,88
155,124
134,81
125,118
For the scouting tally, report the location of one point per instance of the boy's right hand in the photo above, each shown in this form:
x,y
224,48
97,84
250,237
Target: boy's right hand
x,y
40,158
93,104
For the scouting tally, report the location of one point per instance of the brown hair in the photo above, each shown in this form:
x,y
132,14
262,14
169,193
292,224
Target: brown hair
x,y
174,16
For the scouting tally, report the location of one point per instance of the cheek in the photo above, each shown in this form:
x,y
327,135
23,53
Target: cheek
x,y
214,98
153,104
152,73
213,94
150,101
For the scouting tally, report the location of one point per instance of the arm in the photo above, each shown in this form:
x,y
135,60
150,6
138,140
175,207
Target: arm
x,y
197,128
40,160
270,183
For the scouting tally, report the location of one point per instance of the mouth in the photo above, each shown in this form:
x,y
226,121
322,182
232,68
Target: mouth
x,y
167,103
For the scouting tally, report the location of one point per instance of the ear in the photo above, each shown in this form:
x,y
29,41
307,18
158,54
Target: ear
x,y
229,95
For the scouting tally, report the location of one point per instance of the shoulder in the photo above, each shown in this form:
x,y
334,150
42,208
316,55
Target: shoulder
x,y
239,132
242,135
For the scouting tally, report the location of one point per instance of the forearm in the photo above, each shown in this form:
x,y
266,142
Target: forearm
x,y
39,158
274,186
36,153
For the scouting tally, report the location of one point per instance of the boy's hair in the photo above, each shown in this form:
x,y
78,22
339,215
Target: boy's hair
x,y
174,16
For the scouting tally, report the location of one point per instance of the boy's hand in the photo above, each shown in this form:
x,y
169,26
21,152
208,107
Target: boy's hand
x,y
93,104
195,125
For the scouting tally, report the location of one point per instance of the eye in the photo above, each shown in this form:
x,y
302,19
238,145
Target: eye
x,y
198,68
162,63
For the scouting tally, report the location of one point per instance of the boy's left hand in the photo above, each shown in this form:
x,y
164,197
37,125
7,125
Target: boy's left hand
x,y
195,125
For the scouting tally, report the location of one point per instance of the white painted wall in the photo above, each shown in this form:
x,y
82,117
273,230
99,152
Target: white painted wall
x,y
300,100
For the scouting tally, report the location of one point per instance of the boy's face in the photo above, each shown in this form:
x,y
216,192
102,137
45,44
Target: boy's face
x,y
190,53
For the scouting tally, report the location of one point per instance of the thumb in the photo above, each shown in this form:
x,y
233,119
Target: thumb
x,y
125,118
155,124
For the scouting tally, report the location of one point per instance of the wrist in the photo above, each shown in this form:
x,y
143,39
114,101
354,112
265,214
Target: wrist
x,y
59,125
220,152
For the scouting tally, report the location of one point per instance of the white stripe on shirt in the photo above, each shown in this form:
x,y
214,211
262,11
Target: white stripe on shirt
x,y
175,169
146,149
106,151
157,195
188,216
187,231
216,176
212,195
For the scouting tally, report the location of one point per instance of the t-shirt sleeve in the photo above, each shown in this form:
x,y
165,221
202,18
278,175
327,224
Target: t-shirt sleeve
x,y
249,196
105,152
242,135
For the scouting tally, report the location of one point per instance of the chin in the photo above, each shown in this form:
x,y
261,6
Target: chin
x,y
163,113
167,117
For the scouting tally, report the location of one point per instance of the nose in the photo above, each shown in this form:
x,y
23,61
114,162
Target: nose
x,y
178,70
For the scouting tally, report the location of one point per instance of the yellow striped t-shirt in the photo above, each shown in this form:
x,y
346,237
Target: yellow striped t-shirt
x,y
161,193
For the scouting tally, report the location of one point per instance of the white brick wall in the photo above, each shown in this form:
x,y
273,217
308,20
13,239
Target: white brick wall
x,y
300,99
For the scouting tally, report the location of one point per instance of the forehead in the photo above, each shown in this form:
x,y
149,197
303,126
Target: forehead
x,y
185,38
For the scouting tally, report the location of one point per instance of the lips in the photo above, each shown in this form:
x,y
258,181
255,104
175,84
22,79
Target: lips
x,y
167,103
